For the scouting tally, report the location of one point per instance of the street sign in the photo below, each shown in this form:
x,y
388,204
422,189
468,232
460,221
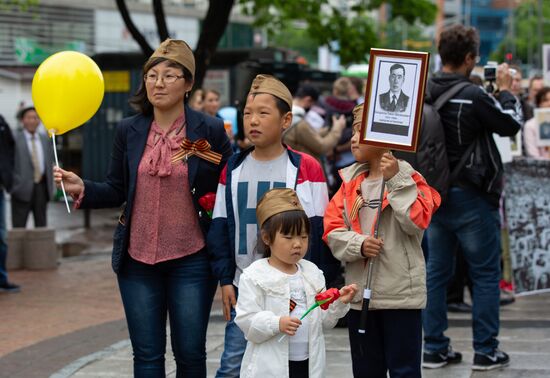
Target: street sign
x,y
29,51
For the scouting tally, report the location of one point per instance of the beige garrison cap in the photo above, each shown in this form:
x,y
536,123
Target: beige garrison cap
x,y
177,51
358,114
276,201
271,85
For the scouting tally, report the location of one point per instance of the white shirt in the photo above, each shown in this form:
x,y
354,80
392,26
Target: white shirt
x,y
395,94
39,149
299,343
298,113
255,178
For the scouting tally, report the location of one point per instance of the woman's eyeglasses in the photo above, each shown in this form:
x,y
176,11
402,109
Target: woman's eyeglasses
x,y
166,79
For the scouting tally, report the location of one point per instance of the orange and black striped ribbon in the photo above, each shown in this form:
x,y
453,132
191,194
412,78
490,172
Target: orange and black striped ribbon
x,y
292,305
357,204
199,148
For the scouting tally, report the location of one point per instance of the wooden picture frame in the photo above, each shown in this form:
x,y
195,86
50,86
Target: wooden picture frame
x,y
394,99
542,115
516,145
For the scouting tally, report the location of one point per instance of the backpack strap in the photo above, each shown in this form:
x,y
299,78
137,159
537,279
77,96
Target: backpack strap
x,y
438,104
450,93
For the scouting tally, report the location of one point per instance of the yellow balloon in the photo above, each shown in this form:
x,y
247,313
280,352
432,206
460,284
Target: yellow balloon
x,y
67,90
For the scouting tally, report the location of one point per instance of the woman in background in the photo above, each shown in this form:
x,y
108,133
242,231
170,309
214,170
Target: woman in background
x,y
196,100
212,103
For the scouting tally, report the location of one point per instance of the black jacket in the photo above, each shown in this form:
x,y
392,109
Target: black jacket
x,y
472,116
128,147
400,105
7,155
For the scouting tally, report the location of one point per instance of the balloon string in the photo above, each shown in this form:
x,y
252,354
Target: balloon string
x,y
52,132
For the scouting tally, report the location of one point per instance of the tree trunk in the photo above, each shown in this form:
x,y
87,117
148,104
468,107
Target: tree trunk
x,y
160,19
136,34
213,27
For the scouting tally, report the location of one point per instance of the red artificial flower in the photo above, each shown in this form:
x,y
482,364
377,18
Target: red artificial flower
x,y
325,298
207,202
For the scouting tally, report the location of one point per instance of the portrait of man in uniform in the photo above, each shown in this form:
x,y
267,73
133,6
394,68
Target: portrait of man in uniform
x,y
395,100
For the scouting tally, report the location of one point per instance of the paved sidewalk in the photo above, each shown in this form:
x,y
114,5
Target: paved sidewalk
x,y
525,335
69,322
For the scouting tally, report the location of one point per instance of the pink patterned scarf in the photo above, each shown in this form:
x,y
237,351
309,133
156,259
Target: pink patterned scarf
x,y
163,146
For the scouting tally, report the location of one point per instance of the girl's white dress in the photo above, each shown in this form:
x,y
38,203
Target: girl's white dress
x,y
264,296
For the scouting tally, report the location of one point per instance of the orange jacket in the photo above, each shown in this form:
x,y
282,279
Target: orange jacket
x,y
399,272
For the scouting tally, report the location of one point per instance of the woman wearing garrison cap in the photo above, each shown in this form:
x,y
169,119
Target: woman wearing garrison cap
x,y
165,163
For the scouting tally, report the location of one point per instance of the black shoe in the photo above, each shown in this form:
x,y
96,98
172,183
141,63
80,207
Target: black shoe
x,y
492,361
9,287
435,360
461,307
506,301
506,297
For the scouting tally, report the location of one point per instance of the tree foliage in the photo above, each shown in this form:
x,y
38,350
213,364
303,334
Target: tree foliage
x,y
296,39
525,42
349,32
401,35
410,10
23,5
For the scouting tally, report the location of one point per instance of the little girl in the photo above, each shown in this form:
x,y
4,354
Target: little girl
x,y
275,291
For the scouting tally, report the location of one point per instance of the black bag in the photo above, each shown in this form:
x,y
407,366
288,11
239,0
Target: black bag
x,y
430,159
481,167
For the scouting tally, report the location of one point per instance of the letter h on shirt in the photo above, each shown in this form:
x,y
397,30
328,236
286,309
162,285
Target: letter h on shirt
x,y
247,215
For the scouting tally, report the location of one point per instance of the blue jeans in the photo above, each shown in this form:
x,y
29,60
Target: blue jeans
x,y
233,349
183,288
3,239
465,218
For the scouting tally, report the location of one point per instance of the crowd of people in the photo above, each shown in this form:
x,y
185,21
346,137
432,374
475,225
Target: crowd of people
x,y
274,212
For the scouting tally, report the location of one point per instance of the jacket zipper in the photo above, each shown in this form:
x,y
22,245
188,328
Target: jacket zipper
x,y
458,124
493,161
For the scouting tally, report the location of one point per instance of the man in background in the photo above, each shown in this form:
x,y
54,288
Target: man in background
x,y
356,90
33,177
470,215
301,136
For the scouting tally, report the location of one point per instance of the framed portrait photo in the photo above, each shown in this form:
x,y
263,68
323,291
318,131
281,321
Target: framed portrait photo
x,y
394,98
546,63
542,116
516,146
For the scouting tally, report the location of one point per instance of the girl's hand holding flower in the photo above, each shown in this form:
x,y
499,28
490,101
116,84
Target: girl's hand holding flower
x,y
347,293
289,325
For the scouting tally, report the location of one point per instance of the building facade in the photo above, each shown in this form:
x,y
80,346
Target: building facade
x,y
28,36
490,17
